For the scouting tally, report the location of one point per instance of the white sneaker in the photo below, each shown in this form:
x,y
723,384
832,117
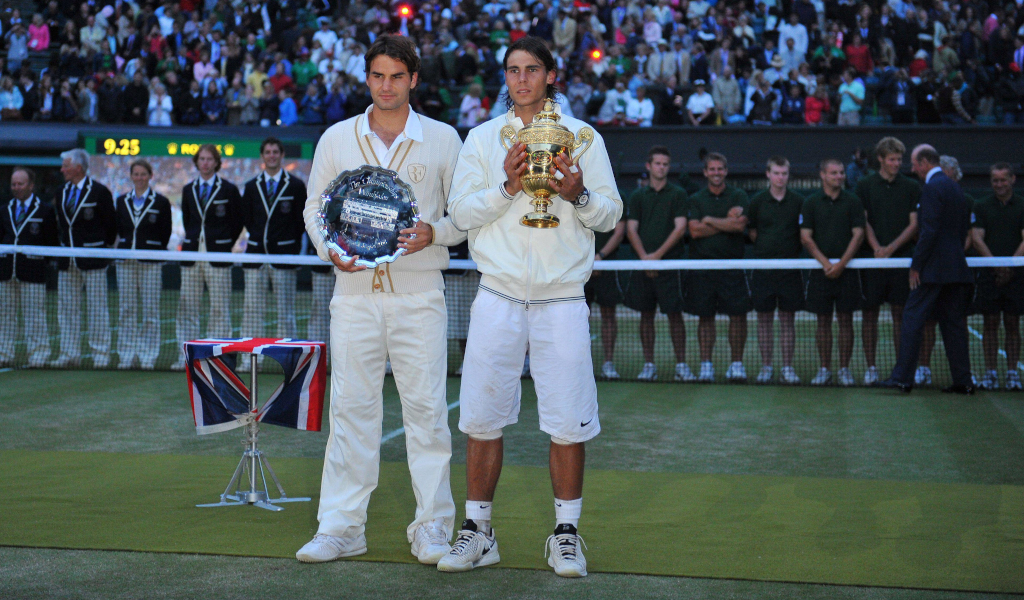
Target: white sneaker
x,y
458,372
608,370
100,362
526,367
325,548
846,379
823,377
179,365
648,373
923,376
1013,381
736,372
707,372
870,375
471,549
789,376
990,381
684,374
430,542
564,553
766,374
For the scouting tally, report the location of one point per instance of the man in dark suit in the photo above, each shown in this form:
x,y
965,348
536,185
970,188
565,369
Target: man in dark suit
x,y
143,223
939,277
272,203
85,217
211,211
26,221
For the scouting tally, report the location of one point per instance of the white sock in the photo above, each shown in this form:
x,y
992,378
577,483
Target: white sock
x,y
479,512
568,511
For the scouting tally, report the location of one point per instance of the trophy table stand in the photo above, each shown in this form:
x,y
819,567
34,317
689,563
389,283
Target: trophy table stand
x,y
248,485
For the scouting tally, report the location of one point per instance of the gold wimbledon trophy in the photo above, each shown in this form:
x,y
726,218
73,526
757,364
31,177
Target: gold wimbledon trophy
x,y
544,138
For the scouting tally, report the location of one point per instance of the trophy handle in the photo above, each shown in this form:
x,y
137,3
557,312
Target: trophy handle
x,y
507,135
586,136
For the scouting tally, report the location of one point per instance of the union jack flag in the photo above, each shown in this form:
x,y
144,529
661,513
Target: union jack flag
x,y
220,400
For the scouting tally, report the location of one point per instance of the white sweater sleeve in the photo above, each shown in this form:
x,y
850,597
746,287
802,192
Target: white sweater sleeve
x,y
321,174
474,201
604,209
445,231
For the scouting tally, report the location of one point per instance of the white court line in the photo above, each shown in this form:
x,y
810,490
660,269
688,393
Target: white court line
x,y
6,370
392,435
975,333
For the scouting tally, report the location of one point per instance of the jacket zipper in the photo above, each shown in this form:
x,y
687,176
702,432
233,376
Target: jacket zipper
x,y
529,265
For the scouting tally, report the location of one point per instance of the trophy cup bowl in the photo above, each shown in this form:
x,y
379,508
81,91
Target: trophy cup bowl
x,y
544,139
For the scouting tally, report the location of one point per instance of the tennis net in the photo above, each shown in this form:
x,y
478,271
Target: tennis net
x,y
134,314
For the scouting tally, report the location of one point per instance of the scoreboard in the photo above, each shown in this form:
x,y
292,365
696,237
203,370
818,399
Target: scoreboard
x,y
174,146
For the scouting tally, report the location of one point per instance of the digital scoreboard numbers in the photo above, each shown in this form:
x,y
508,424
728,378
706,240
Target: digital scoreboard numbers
x,y
184,146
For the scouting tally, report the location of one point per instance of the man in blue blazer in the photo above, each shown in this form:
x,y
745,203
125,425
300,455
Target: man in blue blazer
x,y
939,277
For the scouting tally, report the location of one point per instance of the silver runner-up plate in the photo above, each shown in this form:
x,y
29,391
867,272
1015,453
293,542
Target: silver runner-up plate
x,y
362,212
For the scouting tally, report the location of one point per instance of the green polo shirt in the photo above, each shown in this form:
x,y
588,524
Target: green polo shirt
x,y
888,205
656,211
1002,223
832,220
721,245
777,223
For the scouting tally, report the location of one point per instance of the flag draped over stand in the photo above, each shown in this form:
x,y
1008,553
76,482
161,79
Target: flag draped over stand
x,y
220,400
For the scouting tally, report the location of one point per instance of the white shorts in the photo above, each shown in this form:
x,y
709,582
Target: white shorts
x,y
558,338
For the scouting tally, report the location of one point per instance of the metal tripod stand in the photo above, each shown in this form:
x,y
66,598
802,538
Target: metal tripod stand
x,y
253,461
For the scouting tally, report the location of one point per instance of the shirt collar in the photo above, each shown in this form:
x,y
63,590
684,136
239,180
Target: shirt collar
x,y
413,128
518,124
276,178
209,181
934,170
81,184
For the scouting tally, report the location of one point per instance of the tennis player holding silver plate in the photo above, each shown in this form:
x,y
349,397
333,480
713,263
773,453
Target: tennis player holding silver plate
x,y
380,220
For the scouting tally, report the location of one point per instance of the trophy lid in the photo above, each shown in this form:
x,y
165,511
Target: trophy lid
x,y
547,113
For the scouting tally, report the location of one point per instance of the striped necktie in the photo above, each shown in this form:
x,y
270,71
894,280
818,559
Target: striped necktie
x,y
72,200
271,187
204,193
22,212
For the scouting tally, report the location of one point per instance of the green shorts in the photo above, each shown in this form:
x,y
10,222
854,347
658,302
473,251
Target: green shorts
x,y
782,289
992,299
644,293
884,285
717,292
841,294
603,288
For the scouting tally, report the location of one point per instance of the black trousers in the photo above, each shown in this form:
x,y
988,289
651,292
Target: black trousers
x,y
948,305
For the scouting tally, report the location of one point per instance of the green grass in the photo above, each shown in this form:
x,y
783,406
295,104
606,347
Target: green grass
x,y
673,430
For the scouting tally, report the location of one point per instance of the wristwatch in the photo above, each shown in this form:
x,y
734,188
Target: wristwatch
x,y
582,200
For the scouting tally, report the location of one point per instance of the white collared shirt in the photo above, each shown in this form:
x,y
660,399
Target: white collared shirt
x,y
209,181
275,178
413,131
934,170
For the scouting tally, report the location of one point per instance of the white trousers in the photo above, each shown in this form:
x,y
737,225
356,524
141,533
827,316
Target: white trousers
x,y
254,314
365,329
318,327
190,303
69,314
31,297
138,282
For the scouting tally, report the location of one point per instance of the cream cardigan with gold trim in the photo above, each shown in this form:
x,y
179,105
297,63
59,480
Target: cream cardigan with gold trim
x,y
428,167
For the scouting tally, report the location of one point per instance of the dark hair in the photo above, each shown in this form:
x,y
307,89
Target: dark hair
x,y
711,157
999,166
658,150
776,161
397,47
141,163
928,154
212,149
535,47
823,165
271,141
27,171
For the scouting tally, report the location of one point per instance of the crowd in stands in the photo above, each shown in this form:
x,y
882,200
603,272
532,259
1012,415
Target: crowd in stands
x,y
621,62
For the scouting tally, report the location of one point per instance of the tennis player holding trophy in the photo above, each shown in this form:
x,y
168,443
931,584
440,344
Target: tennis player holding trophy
x,y
531,211
379,183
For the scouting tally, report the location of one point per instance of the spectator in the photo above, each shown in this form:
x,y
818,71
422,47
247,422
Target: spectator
x,y
17,47
204,67
269,106
795,30
11,100
614,104
901,96
334,104
281,79
858,56
640,110
791,110
249,107
189,105
88,101
29,95
791,57
111,100
725,92
65,106
213,106
160,107
851,97
763,101
945,59
313,106
91,36
956,102
38,34
136,99
1010,94
304,70
288,112
700,107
